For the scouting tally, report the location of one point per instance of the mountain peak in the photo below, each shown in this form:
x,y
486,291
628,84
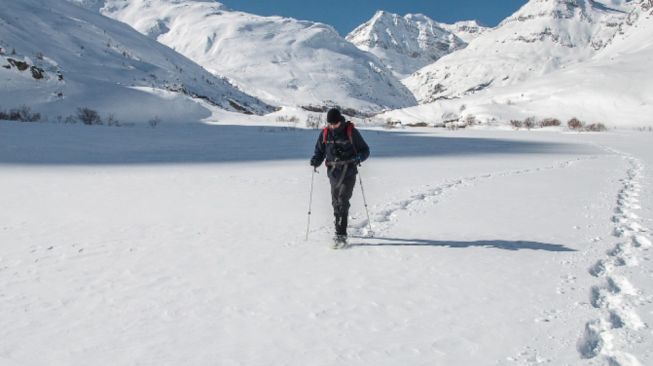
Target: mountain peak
x,y
405,43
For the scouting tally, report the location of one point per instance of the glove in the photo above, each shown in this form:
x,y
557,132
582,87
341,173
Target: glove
x,y
358,158
315,162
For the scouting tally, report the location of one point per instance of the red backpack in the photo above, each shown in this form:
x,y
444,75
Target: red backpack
x,y
350,131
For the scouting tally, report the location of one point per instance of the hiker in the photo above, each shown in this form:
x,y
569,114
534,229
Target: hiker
x,y
344,149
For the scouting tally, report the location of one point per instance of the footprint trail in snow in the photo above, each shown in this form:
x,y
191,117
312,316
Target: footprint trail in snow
x,y
616,297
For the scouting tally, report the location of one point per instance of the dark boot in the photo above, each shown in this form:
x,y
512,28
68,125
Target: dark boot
x,y
339,242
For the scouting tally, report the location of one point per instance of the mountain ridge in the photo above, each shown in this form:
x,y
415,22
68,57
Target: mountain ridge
x,y
542,36
281,60
612,87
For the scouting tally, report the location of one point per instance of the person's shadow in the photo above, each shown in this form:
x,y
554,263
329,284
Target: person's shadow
x,y
497,244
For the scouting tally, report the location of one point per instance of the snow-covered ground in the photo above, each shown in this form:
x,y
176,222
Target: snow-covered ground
x,y
184,245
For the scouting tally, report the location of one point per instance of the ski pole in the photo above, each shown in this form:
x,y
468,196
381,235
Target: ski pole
x,y
310,203
370,233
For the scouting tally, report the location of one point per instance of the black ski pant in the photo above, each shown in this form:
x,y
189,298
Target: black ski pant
x,y
341,193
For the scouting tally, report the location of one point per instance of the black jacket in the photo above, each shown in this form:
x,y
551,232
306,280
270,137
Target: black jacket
x,y
338,147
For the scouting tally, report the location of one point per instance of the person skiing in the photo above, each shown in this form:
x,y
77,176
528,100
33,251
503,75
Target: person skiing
x,y
344,149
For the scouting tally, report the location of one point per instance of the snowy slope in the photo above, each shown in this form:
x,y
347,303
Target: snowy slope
x,y
467,30
281,60
406,44
541,37
614,87
78,58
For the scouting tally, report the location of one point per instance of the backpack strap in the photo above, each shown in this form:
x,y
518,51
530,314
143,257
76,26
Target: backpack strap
x,y
350,132
325,133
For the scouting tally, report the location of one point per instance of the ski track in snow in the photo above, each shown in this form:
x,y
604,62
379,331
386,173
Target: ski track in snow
x,y
616,297
384,217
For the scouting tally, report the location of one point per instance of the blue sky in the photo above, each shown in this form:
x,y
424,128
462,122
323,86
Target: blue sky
x,y
345,15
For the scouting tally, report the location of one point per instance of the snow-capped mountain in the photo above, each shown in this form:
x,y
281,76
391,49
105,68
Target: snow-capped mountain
x,y
59,57
614,86
280,60
541,37
406,44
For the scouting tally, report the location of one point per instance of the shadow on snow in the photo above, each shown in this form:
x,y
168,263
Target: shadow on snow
x,y
50,144
497,244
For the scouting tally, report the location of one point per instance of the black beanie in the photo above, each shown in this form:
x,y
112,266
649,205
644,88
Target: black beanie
x,y
334,116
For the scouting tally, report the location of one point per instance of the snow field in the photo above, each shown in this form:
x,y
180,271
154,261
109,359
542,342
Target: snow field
x,y
185,245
